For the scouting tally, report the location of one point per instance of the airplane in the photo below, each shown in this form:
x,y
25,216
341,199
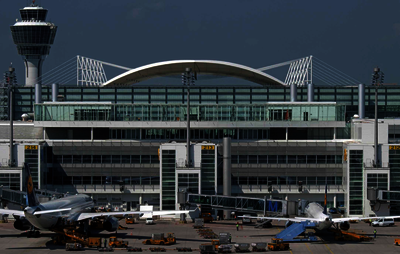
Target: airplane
x,y
54,215
319,215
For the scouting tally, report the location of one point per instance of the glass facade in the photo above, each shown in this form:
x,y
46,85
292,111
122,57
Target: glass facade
x,y
356,182
286,159
286,180
11,181
379,181
389,104
394,162
168,180
172,113
189,181
208,172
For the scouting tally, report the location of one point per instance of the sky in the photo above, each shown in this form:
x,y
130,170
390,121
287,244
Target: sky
x,y
354,36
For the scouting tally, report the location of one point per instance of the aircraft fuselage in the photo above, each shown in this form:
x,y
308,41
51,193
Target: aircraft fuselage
x,y
77,203
314,210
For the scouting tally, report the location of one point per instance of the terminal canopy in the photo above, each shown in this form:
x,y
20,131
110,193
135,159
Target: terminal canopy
x,y
207,67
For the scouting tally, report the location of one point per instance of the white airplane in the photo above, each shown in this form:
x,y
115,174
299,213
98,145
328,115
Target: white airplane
x,y
56,214
318,215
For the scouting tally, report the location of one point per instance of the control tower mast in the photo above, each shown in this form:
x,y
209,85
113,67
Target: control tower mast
x,y
33,37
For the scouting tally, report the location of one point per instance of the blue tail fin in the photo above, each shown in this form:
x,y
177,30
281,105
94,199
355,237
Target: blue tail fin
x,y
325,200
31,199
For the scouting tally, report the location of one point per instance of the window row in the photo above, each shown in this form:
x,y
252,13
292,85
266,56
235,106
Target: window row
x,y
286,159
104,180
287,180
118,159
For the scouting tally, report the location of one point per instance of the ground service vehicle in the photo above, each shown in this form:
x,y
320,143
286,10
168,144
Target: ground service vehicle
x,y
207,217
383,222
224,238
225,248
94,242
73,246
130,220
207,249
198,223
246,220
115,243
149,221
397,241
277,245
242,247
258,246
160,239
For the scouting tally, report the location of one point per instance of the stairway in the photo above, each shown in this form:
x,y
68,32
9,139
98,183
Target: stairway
x,y
295,230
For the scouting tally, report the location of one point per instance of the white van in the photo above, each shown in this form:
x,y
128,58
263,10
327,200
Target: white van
x,y
383,222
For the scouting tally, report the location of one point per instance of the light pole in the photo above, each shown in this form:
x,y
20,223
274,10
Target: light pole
x,y
11,80
188,79
377,79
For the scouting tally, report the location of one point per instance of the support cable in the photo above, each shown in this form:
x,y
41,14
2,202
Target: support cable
x,y
349,77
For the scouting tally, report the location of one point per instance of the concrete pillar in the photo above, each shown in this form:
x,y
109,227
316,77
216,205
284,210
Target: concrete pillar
x,y
227,172
91,134
38,93
33,70
361,101
287,134
310,92
140,199
334,200
293,93
54,92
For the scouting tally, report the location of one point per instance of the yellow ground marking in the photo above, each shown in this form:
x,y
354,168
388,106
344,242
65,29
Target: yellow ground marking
x,y
328,248
308,247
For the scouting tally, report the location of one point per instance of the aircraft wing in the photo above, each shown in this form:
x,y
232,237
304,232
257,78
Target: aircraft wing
x,y
336,220
296,219
84,216
171,212
12,212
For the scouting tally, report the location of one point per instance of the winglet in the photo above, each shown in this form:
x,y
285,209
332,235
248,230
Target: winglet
x,y
325,200
31,199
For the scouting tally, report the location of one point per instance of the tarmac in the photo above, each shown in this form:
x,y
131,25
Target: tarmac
x,y
15,241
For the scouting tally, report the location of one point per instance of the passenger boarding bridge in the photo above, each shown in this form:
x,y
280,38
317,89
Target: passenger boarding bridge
x,y
243,204
19,197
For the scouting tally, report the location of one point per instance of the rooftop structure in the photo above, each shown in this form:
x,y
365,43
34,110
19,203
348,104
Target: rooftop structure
x,y
33,37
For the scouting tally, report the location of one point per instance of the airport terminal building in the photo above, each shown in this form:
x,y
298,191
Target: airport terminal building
x,y
127,145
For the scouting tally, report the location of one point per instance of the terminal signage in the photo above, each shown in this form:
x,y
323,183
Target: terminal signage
x,y
31,147
394,147
207,147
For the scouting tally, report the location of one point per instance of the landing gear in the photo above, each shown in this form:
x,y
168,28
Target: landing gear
x,y
33,233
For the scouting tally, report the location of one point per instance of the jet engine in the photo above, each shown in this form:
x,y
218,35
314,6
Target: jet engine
x,y
111,224
22,224
345,225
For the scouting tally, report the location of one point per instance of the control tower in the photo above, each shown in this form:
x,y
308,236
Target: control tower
x,y
33,37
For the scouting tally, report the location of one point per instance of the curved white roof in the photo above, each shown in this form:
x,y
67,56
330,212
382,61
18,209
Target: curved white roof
x,y
199,66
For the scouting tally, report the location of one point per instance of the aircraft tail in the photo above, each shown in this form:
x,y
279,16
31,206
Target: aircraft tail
x,y
325,199
31,199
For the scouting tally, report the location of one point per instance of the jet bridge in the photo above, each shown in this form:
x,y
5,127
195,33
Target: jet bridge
x,y
19,197
243,204
375,195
